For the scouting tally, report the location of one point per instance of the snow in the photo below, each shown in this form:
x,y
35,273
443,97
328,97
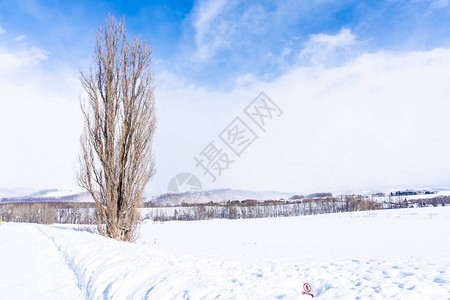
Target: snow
x,y
15,192
218,195
31,266
395,254
54,193
388,198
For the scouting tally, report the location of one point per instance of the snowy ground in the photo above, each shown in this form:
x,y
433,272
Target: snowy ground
x,y
389,254
31,266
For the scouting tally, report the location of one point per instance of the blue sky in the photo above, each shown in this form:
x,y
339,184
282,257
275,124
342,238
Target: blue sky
x,y
362,85
213,42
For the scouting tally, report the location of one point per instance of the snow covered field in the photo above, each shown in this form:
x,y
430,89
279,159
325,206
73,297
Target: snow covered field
x,y
388,254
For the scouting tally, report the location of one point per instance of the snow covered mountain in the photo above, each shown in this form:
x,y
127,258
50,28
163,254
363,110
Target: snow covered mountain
x,y
198,196
51,195
15,192
218,195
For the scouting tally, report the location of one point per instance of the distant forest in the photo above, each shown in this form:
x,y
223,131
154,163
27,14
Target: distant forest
x,y
84,212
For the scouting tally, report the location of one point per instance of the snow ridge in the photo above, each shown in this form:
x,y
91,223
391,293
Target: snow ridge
x,y
108,269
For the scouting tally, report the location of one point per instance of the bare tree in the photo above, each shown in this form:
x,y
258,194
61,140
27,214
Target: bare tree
x,y
116,160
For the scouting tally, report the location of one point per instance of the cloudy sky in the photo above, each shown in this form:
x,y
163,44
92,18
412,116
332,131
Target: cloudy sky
x,y
364,90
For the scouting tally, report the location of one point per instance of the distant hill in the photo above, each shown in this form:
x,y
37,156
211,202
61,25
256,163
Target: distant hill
x,y
51,195
15,192
218,195
16,195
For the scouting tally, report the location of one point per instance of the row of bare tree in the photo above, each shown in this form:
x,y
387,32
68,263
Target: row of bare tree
x,y
85,213
267,209
48,213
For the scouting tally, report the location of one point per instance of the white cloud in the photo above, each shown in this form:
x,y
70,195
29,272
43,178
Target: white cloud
x,y
14,60
343,39
281,59
436,4
377,121
210,33
2,30
222,24
380,119
20,37
207,11
319,47
39,119
433,5
286,52
246,79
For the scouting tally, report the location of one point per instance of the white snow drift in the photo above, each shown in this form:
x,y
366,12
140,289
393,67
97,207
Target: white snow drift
x,y
395,254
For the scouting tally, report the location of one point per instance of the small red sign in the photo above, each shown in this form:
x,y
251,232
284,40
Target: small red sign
x,y
307,289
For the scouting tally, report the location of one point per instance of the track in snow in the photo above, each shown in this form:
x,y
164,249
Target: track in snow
x,y
31,266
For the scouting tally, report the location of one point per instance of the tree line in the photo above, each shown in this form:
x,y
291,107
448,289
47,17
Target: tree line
x,y
255,209
48,212
85,213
